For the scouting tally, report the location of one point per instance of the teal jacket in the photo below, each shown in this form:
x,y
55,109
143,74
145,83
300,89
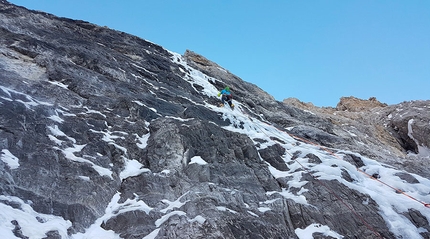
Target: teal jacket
x,y
224,92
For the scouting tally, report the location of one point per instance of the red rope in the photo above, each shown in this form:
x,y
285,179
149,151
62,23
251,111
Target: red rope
x,y
341,200
350,208
363,172
334,193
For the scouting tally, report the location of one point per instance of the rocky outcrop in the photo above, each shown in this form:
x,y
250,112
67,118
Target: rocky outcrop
x,y
106,135
409,123
355,105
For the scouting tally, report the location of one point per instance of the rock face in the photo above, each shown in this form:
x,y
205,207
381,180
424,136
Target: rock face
x,y
106,135
356,105
394,134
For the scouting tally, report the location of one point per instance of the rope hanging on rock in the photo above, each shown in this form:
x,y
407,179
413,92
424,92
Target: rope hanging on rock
x,y
326,186
361,171
370,227
332,153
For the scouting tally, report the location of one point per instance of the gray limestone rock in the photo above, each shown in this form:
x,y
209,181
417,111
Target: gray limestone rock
x,y
101,128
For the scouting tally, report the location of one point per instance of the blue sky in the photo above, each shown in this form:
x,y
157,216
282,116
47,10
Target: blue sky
x,y
316,51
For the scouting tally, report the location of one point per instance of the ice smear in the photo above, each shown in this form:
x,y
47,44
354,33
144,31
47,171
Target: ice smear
x,y
194,76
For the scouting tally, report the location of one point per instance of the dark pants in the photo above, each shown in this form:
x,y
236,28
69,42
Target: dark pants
x,y
227,98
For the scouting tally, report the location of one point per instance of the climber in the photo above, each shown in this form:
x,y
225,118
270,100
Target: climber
x,y
226,96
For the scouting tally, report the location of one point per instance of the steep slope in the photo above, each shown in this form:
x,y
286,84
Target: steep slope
x,y
393,134
106,135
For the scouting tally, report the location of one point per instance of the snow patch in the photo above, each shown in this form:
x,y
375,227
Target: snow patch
x,y
198,219
225,209
109,137
85,178
57,132
166,217
264,209
153,234
253,214
113,209
289,195
173,205
10,159
56,118
422,150
55,140
142,104
59,84
314,228
198,160
29,103
142,141
70,154
132,168
33,224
